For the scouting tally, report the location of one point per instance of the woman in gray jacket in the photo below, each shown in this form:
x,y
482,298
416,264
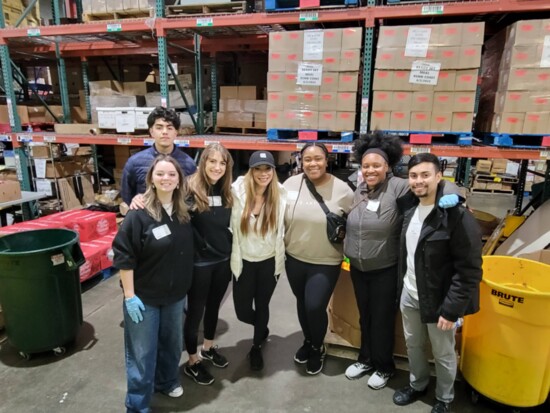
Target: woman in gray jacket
x,y
372,246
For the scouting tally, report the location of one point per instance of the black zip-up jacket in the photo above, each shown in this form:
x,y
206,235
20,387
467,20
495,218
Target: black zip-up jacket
x,y
447,260
163,267
213,239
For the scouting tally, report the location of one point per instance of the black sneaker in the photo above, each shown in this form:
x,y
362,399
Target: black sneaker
x,y
302,354
316,360
214,357
198,373
256,359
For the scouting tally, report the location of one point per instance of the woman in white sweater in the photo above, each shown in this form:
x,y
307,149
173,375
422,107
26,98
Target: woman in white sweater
x,y
257,257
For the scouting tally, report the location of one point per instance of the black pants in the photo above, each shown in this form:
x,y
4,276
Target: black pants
x,y
376,294
252,293
312,286
205,296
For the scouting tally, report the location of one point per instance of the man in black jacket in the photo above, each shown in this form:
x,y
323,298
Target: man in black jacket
x,y
440,263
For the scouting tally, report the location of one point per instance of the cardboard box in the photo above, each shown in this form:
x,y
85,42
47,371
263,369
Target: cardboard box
x,y
289,82
382,100
41,151
400,81
462,122
484,165
60,169
536,123
346,101
275,101
446,80
283,41
348,81
327,120
400,120
538,101
105,88
229,92
352,38
332,40
473,33
507,122
254,106
525,32
331,62
277,62
382,80
464,101
380,120
443,101
275,81
308,119
511,101
448,56
141,116
392,36
387,57
327,101
540,256
401,101
140,88
466,80
345,121
350,60
275,120
9,191
469,57
422,101
329,82
292,60
291,101
450,34
420,121
441,121
247,92
310,101
260,120
522,56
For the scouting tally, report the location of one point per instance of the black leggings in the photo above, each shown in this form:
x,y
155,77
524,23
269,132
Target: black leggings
x,y
204,297
312,284
252,293
376,295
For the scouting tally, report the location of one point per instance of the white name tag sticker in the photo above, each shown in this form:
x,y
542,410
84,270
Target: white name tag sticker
x,y
373,205
215,201
292,195
161,232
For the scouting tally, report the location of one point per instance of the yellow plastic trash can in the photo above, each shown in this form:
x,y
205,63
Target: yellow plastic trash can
x,y
506,345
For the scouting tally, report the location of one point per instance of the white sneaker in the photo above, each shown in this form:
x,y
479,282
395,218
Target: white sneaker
x,y
379,380
357,370
176,392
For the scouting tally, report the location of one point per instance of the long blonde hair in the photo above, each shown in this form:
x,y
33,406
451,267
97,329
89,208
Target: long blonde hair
x,y
271,205
153,206
199,185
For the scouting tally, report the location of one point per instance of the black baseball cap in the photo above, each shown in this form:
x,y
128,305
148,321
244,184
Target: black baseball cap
x,y
261,158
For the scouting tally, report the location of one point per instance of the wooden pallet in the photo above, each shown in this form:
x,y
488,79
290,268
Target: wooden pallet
x,y
224,130
198,9
118,15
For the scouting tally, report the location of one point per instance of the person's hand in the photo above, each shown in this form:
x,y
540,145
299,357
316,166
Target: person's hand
x,y
447,201
444,324
137,202
134,306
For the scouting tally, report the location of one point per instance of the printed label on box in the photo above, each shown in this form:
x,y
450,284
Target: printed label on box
x,y
418,40
40,167
545,58
44,186
313,45
424,73
310,74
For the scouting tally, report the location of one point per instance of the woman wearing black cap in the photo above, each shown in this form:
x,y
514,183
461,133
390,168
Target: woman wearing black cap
x,y
257,257
372,245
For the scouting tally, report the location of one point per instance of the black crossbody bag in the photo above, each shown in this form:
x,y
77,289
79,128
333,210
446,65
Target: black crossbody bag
x,y
336,224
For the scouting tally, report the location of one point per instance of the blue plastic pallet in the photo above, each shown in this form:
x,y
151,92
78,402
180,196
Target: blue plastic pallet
x,y
325,136
455,138
285,5
528,141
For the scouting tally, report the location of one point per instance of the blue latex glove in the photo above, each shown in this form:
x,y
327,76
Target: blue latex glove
x,y
448,201
134,306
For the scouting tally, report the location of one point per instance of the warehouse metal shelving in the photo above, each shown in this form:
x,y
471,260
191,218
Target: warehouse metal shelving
x,y
240,32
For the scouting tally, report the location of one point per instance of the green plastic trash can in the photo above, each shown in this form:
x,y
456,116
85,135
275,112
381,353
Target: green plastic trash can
x,y
40,289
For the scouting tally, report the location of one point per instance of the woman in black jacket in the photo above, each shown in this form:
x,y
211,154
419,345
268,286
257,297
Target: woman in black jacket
x,y
212,201
154,253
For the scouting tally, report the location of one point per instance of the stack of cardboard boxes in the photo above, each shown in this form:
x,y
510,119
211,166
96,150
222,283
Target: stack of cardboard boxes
x,y
13,9
313,79
531,179
96,231
495,175
515,87
108,6
426,77
241,108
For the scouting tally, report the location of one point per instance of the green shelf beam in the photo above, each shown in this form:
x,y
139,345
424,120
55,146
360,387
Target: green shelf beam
x,y
61,69
198,84
368,49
